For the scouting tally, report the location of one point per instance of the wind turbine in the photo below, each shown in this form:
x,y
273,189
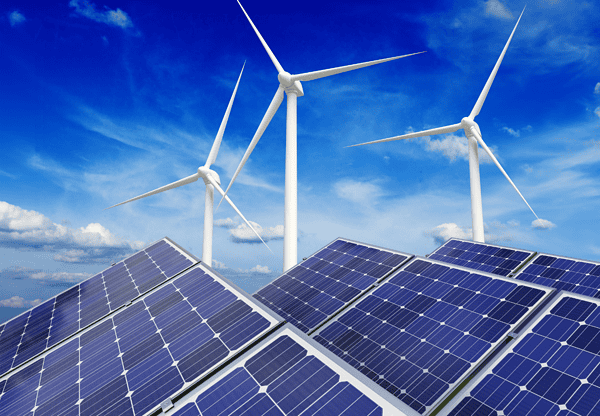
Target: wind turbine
x,y
293,89
473,133
212,181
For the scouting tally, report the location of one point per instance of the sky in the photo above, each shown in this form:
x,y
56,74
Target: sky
x,y
104,101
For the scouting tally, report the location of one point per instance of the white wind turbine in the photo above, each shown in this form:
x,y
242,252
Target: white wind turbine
x,y
473,133
212,181
293,89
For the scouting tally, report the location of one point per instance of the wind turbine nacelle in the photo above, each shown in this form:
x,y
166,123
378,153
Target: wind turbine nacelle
x,y
290,86
467,123
203,171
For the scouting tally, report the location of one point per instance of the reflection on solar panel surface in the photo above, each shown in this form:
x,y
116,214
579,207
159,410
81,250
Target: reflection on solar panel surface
x,y
421,331
58,318
317,288
127,363
553,368
478,256
563,273
287,375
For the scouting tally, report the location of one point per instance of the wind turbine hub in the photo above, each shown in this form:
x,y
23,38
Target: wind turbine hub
x,y
467,123
204,172
285,78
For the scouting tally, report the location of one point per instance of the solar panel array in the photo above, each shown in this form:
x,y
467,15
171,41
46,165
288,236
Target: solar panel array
x,y
563,273
130,361
317,288
288,375
423,329
552,369
479,256
58,318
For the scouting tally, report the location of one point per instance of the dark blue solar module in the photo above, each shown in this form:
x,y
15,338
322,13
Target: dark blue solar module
x,y
553,368
130,361
427,326
53,321
480,256
563,273
317,288
287,375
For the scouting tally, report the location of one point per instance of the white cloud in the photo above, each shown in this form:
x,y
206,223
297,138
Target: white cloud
x,y
363,193
444,232
110,17
30,230
256,269
597,88
542,224
260,269
243,234
597,111
514,133
527,168
513,223
226,223
19,302
453,147
497,9
7,174
16,18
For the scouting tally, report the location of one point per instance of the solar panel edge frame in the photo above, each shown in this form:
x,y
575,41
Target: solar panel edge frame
x,y
330,358
517,269
495,346
94,323
484,371
558,256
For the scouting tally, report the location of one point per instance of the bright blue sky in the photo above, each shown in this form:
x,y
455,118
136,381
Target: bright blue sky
x,y
103,102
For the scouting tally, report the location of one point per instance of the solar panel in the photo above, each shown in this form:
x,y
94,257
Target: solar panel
x,y
479,256
314,290
288,374
44,326
427,326
130,361
563,273
552,368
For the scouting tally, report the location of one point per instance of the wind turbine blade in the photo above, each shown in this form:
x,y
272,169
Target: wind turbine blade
x,y
218,188
176,184
215,147
488,84
309,76
271,55
275,103
491,155
439,130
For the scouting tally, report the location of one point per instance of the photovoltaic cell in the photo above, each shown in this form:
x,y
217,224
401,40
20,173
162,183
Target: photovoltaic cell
x,y
287,374
427,326
479,256
563,273
321,285
60,317
130,361
553,368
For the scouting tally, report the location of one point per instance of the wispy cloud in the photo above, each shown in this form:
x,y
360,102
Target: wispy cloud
x,y
494,232
30,230
110,17
7,174
240,233
597,88
226,223
542,224
455,147
497,9
219,265
514,133
19,302
21,273
365,193
444,232
16,18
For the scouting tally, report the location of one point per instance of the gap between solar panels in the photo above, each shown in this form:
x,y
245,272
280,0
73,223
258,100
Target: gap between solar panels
x,y
55,321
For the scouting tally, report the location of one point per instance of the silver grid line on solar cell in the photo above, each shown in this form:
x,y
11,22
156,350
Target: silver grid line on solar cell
x,y
328,281
486,257
563,273
411,324
320,379
153,353
551,368
9,329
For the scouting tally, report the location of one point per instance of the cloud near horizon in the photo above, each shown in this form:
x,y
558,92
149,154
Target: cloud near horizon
x,y
240,233
29,230
19,302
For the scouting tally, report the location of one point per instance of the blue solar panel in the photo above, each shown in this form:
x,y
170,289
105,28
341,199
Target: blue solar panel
x,y
132,360
317,288
479,256
427,326
563,273
552,368
58,318
288,374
